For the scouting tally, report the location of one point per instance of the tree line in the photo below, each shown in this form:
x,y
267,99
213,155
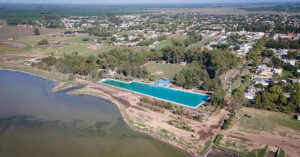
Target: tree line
x,y
283,97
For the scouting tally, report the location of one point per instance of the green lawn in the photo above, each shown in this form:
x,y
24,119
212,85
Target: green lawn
x,y
181,37
163,44
96,52
79,39
286,74
265,121
200,43
159,70
59,51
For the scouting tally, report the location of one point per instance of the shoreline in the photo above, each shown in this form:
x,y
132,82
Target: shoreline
x,y
117,103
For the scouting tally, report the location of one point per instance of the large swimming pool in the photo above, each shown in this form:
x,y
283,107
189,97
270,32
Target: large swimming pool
x,y
181,97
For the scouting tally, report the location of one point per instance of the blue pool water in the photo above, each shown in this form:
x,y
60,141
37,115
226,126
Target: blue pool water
x,y
177,96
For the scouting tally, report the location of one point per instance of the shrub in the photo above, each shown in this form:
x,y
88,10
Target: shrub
x,y
86,39
43,42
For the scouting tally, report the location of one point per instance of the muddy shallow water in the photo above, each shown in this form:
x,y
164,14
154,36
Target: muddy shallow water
x,y
34,122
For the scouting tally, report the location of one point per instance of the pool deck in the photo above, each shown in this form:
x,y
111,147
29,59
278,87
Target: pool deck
x,y
101,81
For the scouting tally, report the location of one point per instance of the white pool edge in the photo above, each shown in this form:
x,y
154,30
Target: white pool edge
x,y
101,81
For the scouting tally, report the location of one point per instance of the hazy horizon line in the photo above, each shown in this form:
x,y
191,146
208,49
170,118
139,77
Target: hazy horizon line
x,y
137,3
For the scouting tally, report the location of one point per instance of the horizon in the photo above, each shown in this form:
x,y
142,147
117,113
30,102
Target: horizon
x,y
139,2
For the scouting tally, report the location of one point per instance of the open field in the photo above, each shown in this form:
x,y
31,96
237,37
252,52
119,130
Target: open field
x,y
240,146
163,44
17,32
265,128
168,42
266,121
159,70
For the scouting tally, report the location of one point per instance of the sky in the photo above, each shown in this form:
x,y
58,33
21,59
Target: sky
x,y
143,1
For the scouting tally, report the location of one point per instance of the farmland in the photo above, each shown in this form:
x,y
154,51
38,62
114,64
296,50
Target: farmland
x,y
36,12
17,32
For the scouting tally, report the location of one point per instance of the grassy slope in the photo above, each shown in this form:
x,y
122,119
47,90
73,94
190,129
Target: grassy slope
x,y
169,70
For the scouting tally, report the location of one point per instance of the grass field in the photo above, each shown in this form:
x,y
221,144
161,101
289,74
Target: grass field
x,y
19,31
265,121
163,44
75,44
159,70
168,42
201,43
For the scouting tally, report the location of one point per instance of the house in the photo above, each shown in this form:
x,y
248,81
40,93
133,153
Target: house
x,y
290,61
257,79
294,81
94,46
266,60
287,95
264,70
250,92
278,71
281,53
110,72
298,117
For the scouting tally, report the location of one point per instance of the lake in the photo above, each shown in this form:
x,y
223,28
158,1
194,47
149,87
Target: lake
x,y
34,122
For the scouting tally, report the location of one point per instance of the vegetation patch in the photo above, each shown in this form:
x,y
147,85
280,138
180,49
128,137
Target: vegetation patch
x,y
207,145
168,70
181,125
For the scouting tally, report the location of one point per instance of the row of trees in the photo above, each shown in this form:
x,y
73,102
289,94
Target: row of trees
x,y
254,57
283,44
15,22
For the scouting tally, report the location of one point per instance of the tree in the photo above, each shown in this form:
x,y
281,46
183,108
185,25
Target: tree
x,y
276,62
267,53
217,98
292,55
238,96
36,31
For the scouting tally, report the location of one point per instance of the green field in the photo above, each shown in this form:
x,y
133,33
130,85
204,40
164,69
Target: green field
x,y
265,121
163,44
36,11
201,43
159,70
168,42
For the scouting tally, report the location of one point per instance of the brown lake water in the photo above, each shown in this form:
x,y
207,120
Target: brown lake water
x,y
34,122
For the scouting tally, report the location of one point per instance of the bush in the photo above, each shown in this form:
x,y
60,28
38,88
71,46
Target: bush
x,y
262,152
281,153
207,144
218,139
86,39
43,42
36,31
49,61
